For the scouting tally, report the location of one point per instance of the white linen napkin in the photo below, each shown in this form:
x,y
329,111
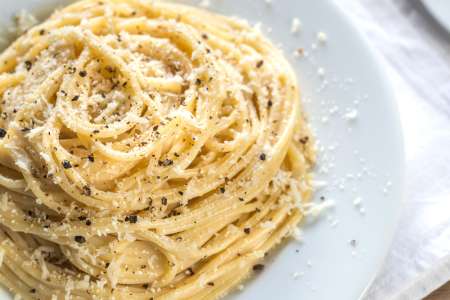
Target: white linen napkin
x,y
416,52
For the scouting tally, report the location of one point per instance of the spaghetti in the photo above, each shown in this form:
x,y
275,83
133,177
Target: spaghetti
x,y
148,151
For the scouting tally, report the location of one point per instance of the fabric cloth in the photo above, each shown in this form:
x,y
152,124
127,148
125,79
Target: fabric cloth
x,y
416,51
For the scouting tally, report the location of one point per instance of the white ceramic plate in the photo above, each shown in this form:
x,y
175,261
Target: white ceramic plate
x,y
440,10
360,158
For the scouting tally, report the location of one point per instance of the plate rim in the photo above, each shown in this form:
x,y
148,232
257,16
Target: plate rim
x,y
432,11
381,69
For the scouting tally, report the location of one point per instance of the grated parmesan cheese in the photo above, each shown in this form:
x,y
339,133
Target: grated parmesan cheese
x,y
351,115
296,25
35,132
322,37
22,164
321,72
297,234
316,209
357,202
101,283
334,223
319,184
268,225
24,21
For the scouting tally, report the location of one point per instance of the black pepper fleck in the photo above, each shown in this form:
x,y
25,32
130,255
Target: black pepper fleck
x,y
80,239
304,140
165,163
247,230
82,73
2,133
28,65
262,156
132,219
190,272
66,164
87,190
164,201
259,64
258,267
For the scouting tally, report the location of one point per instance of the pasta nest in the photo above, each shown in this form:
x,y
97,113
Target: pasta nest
x,y
148,149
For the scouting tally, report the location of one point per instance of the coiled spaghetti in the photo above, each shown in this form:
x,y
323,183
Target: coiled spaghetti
x,y
148,151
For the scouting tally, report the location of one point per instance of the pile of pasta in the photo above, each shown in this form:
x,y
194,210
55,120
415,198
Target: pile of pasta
x,y
148,150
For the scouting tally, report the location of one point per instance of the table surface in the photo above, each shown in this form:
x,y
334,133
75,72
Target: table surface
x,y
442,293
